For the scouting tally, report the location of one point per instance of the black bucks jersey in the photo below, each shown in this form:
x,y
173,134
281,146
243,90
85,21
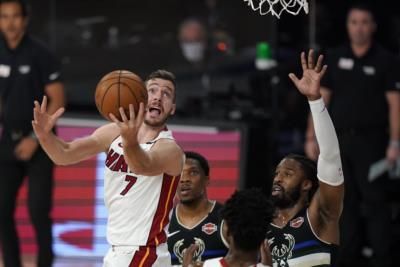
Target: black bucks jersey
x,y
296,245
207,234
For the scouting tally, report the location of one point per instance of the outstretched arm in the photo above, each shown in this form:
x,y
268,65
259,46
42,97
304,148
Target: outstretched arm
x,y
326,205
64,153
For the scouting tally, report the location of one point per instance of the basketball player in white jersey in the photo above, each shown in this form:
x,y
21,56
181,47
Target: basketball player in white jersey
x,y
143,167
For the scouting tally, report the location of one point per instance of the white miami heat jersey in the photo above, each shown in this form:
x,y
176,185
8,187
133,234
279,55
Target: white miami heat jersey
x,y
138,206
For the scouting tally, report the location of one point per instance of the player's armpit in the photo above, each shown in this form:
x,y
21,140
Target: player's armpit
x,y
329,201
324,212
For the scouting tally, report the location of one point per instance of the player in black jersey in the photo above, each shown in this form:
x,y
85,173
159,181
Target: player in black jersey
x,y
308,199
196,218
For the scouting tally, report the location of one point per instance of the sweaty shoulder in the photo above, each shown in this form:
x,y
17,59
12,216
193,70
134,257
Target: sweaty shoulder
x,y
105,135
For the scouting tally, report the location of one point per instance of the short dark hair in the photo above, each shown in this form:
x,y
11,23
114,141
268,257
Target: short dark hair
x,y
363,7
24,6
165,75
202,161
309,168
162,74
248,214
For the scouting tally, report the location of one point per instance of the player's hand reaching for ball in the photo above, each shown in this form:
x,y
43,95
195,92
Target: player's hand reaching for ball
x,y
129,127
43,122
309,84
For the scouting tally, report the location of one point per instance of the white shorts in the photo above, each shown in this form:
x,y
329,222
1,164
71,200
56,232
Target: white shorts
x,y
133,256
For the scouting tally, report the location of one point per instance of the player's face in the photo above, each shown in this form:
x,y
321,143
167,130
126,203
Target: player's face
x,y
12,22
161,97
360,26
288,183
193,182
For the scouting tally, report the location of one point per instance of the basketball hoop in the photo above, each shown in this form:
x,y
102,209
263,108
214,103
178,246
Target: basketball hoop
x,y
276,7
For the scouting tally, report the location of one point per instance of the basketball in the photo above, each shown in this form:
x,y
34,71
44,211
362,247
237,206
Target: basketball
x,y
117,89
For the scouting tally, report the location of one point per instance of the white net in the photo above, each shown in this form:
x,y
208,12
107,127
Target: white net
x,y
276,7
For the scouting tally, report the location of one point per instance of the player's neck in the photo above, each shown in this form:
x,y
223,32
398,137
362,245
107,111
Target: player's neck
x,y
148,133
14,43
191,213
237,258
284,215
360,50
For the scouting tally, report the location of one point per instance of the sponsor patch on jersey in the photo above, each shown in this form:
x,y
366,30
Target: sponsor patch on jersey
x,y
5,70
209,228
54,76
345,63
297,222
369,70
24,69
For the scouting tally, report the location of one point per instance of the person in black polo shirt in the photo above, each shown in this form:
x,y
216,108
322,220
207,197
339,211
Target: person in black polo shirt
x,y
27,72
363,91
195,219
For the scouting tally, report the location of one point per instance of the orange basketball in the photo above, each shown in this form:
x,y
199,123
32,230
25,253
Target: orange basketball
x,y
117,89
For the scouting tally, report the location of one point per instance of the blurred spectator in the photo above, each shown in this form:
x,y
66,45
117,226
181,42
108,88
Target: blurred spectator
x,y
27,72
363,91
199,61
196,218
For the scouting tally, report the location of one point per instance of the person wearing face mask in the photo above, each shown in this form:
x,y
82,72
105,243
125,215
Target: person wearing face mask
x,y
193,40
199,57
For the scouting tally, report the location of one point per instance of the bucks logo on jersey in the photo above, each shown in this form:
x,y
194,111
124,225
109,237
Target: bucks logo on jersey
x,y
179,249
282,251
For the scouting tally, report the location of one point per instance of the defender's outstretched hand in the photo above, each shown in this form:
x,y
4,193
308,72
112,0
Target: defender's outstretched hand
x,y
129,127
309,84
43,122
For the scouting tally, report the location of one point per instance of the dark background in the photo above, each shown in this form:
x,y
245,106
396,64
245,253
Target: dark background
x,y
79,33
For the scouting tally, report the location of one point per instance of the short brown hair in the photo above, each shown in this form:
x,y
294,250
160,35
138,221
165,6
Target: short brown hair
x,y
164,75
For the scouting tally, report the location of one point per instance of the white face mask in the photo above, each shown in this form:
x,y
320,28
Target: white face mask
x,y
193,51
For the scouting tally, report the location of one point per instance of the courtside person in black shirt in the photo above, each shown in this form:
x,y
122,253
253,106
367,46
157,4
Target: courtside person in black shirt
x,y
362,89
27,72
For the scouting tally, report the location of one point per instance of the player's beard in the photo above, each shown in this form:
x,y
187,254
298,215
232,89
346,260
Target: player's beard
x,y
288,198
156,124
194,200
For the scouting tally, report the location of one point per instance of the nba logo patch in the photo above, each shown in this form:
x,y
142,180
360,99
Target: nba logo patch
x,y
296,223
209,228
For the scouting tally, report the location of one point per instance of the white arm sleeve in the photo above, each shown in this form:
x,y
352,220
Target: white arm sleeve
x,y
329,162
